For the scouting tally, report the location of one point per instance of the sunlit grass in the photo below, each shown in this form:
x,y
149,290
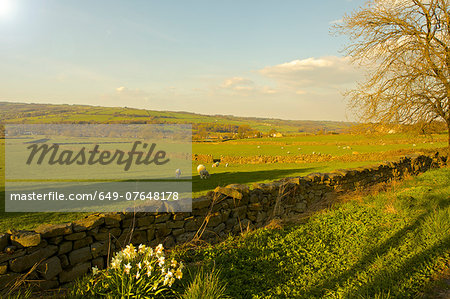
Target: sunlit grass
x,y
358,249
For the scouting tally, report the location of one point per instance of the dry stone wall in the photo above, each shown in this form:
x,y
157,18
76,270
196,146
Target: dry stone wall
x,y
54,255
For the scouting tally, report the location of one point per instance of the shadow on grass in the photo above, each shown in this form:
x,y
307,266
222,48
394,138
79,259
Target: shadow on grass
x,y
365,261
384,277
226,178
389,280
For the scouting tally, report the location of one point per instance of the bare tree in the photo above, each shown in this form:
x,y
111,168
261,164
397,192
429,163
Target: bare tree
x,y
404,44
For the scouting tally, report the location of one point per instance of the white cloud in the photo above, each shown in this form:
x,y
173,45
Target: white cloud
x,y
238,83
305,64
135,93
245,86
318,74
306,88
309,79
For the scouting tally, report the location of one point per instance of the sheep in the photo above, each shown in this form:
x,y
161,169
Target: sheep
x,y
200,168
288,152
204,174
226,165
178,173
259,146
282,147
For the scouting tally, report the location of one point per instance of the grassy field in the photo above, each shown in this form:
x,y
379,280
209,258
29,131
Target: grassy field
x,y
393,244
335,145
253,173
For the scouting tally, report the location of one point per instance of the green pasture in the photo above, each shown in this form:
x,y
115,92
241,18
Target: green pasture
x,y
248,173
347,139
220,176
335,145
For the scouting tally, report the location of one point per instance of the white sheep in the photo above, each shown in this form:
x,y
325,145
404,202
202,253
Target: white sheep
x,y
204,174
288,152
259,146
178,173
200,168
226,165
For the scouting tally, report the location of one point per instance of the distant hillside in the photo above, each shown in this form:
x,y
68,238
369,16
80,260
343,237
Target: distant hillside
x,y
45,113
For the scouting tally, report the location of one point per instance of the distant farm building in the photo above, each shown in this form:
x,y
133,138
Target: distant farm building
x,y
276,135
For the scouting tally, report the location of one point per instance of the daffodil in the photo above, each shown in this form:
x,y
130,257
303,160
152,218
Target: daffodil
x,y
178,273
171,281
173,263
150,264
150,251
115,264
127,268
161,261
159,248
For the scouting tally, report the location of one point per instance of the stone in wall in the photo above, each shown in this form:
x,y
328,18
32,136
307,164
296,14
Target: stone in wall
x,y
25,238
25,262
54,230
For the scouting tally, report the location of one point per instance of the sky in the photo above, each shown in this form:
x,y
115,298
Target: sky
x,y
247,58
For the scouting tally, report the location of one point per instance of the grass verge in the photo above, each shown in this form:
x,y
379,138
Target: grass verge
x,y
390,245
